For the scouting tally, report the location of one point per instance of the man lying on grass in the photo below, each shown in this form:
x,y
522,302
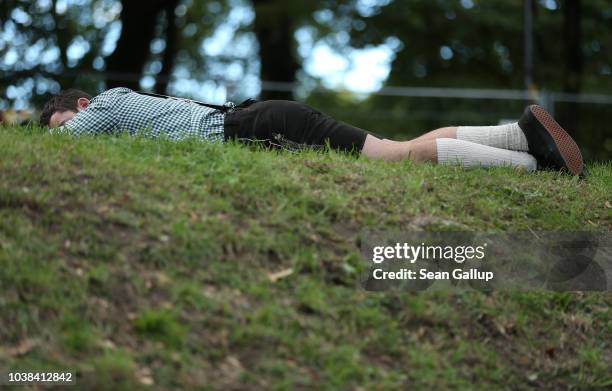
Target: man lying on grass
x,y
536,141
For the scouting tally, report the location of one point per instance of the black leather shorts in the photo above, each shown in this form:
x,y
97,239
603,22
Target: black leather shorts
x,y
290,125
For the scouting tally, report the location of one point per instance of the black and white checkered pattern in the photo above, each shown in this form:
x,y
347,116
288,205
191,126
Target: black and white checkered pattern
x,y
121,109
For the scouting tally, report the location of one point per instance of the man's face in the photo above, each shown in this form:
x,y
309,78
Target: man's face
x,y
59,118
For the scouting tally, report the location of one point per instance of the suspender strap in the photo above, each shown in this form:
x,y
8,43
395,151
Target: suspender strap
x,y
224,108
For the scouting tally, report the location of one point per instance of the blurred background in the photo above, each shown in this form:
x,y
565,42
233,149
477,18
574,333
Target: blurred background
x,y
394,67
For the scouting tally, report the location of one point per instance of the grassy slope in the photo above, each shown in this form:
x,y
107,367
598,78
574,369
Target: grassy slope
x,y
134,261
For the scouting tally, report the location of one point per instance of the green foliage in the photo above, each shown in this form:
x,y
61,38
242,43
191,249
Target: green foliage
x,y
110,371
77,334
485,42
161,325
34,28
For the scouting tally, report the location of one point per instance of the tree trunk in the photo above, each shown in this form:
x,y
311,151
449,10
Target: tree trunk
x,y
572,38
63,36
274,28
573,63
138,19
161,82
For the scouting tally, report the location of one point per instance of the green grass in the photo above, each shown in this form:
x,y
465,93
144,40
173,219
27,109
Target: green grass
x,y
134,261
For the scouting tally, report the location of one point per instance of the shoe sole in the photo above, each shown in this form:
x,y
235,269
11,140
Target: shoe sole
x,y
565,144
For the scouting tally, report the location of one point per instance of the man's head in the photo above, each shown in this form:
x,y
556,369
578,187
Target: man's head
x,y
63,107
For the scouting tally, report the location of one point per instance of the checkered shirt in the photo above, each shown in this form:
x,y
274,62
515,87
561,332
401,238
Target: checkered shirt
x,y
123,110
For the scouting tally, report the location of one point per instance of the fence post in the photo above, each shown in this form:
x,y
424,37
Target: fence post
x,y
551,104
547,100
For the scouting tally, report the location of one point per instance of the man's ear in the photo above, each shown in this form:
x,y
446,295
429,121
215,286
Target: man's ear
x,y
82,103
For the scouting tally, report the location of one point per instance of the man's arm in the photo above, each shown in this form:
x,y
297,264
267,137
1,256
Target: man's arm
x,y
91,121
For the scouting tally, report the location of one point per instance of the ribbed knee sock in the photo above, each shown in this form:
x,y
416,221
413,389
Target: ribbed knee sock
x,y
469,154
508,136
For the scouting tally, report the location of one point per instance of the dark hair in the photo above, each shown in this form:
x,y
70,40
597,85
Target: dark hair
x,y
66,100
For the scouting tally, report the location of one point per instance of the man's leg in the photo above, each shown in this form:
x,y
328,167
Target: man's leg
x,y
446,151
426,148
448,132
507,136
536,132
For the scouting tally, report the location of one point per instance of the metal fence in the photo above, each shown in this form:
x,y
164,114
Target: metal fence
x,y
546,99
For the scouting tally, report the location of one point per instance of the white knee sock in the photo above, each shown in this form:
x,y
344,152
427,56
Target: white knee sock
x,y
508,136
468,154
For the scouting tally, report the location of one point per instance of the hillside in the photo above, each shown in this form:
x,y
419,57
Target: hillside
x,y
136,262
